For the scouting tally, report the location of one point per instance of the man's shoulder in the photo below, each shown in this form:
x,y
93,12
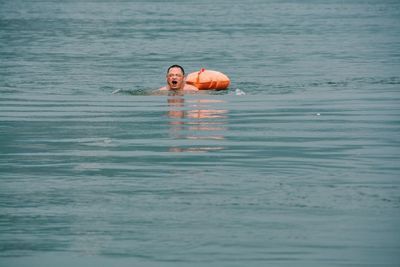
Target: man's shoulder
x,y
190,87
187,87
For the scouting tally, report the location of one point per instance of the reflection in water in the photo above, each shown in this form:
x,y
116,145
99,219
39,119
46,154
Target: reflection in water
x,y
196,119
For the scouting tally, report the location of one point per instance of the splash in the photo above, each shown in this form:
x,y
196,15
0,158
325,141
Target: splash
x,y
239,92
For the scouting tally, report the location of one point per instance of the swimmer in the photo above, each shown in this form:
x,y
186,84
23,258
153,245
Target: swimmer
x,y
176,80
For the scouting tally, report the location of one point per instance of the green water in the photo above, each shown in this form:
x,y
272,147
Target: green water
x,y
300,170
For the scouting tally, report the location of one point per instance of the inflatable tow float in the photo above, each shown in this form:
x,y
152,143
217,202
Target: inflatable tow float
x,y
208,80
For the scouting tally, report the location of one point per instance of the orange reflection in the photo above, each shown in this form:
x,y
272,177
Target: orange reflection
x,y
196,120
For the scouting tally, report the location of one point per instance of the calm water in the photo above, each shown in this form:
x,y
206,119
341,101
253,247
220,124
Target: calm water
x,y
300,170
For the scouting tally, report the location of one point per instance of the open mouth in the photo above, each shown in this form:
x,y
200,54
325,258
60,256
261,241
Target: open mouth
x,y
174,82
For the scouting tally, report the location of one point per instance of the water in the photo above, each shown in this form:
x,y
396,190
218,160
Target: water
x,y
295,165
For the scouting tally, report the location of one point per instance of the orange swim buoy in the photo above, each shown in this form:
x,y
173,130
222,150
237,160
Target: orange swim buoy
x,y
208,80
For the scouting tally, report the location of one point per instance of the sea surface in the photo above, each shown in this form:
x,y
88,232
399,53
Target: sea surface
x,y
296,164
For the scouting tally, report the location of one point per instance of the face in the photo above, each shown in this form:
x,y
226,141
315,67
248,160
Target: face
x,y
175,78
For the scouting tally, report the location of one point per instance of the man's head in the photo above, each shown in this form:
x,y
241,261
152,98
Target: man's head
x,y
176,77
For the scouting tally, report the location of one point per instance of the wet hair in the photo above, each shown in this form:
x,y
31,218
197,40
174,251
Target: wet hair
x,y
176,66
